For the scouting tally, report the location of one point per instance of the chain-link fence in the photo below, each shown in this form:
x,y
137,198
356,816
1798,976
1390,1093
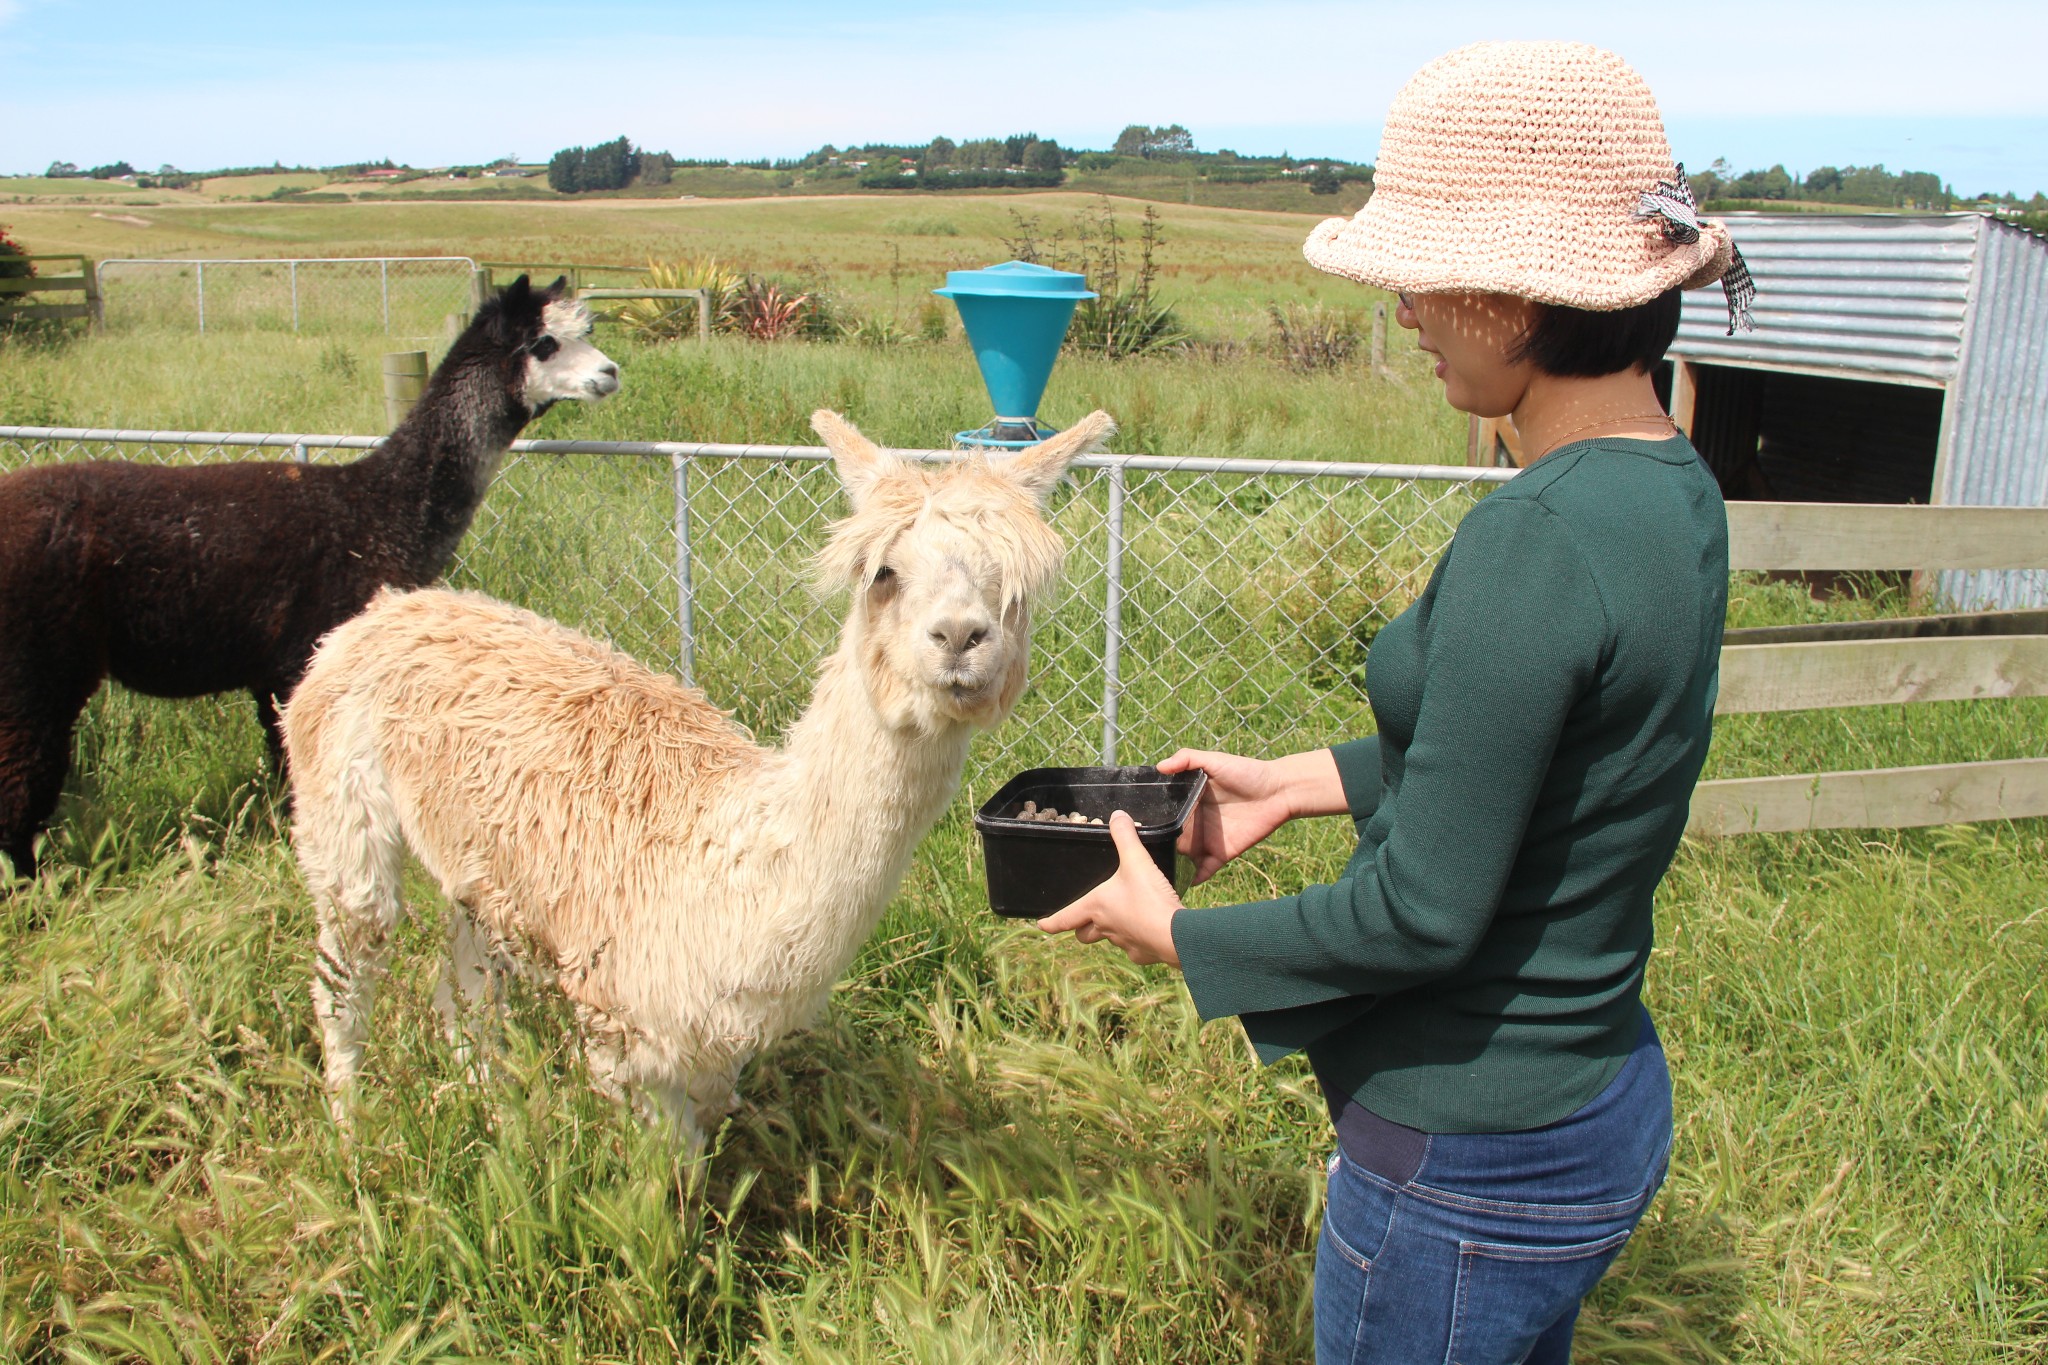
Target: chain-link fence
x,y
1206,602
403,296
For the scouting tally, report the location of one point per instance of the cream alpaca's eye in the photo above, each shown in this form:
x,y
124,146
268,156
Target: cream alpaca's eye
x,y
545,348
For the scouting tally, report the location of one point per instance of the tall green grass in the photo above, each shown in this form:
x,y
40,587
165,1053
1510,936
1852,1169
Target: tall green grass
x,y
993,1148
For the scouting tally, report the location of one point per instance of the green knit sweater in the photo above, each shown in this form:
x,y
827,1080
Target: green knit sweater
x,y
1544,709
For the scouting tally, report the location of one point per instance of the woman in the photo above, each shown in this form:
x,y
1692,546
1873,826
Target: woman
x,y
1468,990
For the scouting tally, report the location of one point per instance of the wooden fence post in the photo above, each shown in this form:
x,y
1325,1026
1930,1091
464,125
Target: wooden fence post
x,y
405,379
1684,394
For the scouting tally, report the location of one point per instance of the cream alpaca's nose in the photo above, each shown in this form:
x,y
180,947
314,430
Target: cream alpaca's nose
x,y
958,634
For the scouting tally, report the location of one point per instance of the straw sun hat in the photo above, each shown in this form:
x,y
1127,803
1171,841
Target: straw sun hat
x,y
1539,169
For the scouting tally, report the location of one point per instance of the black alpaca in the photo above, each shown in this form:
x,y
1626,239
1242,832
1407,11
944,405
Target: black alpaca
x,y
183,581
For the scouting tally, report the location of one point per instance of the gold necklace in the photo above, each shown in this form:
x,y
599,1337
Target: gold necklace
x,y
1663,417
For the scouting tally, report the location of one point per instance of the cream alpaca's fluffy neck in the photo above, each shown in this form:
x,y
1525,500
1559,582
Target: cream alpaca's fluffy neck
x,y
860,793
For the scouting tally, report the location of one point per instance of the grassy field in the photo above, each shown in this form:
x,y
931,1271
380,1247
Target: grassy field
x,y
43,187
1223,267
993,1149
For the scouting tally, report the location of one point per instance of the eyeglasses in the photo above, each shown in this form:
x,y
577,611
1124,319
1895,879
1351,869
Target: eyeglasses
x,y
1406,302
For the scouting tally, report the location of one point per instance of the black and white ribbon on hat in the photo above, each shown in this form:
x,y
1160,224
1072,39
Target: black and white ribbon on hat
x,y
1672,202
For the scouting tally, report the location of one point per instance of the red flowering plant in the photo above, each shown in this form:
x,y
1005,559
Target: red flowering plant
x,y
14,262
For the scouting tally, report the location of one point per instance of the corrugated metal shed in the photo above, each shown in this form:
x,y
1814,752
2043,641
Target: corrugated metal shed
x,y
1995,423
1956,303
1850,296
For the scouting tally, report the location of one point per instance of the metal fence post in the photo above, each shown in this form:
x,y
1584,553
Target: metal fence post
x,y
295,295
298,452
384,276
1112,614
686,623
201,272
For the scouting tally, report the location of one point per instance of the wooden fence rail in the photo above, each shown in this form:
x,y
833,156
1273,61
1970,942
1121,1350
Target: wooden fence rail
x,y
1877,663
702,296
15,292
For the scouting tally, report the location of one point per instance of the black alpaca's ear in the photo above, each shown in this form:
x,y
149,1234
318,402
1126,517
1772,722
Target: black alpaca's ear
x,y
558,288
519,293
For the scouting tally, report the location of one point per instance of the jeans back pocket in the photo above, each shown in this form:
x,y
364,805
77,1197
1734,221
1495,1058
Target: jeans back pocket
x,y
1508,1294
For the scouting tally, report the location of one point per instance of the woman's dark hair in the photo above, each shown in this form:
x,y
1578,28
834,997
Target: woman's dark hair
x,y
1579,343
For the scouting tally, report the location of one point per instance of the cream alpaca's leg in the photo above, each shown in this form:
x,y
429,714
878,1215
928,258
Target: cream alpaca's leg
x,y
352,850
469,991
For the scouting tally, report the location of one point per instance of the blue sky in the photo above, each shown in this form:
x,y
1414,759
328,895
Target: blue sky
x,y
1953,88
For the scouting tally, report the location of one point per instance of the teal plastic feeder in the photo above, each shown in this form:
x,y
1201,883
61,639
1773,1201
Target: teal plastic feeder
x,y
1016,315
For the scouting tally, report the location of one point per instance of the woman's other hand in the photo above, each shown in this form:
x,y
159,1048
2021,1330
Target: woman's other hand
x,y
1133,909
1246,800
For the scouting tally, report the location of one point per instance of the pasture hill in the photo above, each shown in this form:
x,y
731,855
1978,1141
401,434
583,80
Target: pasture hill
x,y
1160,164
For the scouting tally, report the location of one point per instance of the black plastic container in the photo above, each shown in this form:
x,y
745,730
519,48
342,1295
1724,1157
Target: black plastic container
x,y
1037,867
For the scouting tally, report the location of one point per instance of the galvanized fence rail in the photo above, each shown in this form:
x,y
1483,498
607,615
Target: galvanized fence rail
x,y
1206,601
408,296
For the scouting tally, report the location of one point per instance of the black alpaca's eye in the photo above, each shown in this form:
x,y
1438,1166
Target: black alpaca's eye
x,y
545,348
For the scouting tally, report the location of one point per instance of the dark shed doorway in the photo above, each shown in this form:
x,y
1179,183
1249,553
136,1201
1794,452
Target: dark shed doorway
x,y
1807,438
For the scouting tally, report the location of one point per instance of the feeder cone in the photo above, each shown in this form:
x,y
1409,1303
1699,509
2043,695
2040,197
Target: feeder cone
x,y
1016,315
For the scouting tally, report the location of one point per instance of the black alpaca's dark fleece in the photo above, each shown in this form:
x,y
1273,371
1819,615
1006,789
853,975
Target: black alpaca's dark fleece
x,y
182,581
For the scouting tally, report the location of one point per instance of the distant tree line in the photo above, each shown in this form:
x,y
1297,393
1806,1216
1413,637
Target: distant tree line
x,y
1025,160
1020,160
1138,140
169,177
608,166
65,170
1866,186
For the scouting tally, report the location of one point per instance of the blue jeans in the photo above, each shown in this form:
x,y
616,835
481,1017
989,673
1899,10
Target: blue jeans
x,y
1475,1248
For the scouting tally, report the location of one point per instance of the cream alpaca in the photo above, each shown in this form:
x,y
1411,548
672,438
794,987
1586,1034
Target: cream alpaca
x,y
693,893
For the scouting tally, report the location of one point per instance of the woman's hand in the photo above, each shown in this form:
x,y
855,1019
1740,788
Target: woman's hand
x,y
1133,909
1246,800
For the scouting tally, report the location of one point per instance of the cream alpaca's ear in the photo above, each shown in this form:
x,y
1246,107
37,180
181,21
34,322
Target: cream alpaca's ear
x,y
1038,468
860,461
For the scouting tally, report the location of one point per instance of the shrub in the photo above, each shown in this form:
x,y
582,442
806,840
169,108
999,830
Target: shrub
x,y
14,265
674,319
1306,339
764,310
14,262
878,330
932,322
1125,318
1118,326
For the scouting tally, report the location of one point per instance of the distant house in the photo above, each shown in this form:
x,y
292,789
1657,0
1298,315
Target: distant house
x,y
380,175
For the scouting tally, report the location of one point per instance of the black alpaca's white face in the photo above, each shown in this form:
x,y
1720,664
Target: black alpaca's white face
x,y
561,363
